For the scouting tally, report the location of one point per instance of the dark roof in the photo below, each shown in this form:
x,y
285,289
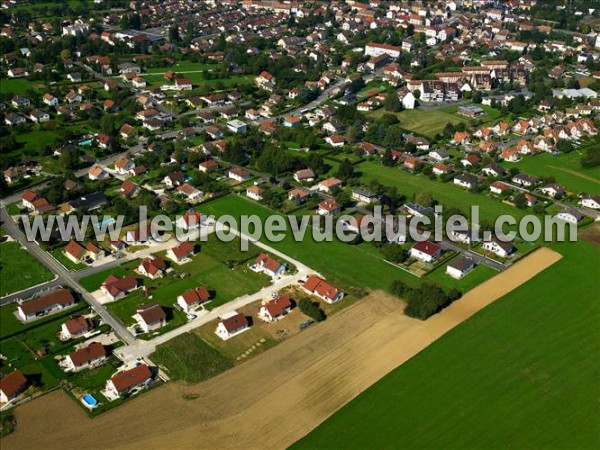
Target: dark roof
x,y
89,201
13,383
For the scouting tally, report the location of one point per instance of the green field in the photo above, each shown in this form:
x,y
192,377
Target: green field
x,y
447,194
427,123
17,85
522,373
182,67
188,358
19,270
565,168
351,266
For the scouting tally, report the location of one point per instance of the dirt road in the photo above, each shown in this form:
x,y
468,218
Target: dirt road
x,y
277,397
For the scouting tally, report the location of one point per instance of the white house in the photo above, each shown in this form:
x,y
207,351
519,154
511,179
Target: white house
x,y
192,298
500,248
570,216
459,267
426,251
181,253
232,325
127,380
90,357
275,309
150,317
592,202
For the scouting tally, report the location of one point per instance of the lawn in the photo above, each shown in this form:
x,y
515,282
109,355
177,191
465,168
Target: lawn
x,y
66,262
93,282
349,266
188,358
492,115
447,194
34,140
518,374
17,85
182,67
474,278
427,123
19,270
565,168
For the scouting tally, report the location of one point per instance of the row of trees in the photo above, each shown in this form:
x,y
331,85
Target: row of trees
x,y
425,300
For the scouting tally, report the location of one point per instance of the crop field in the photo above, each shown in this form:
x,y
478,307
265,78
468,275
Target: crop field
x,y
349,265
427,123
565,168
19,270
526,382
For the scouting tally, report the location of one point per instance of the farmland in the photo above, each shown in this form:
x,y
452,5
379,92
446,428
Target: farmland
x,y
530,366
19,270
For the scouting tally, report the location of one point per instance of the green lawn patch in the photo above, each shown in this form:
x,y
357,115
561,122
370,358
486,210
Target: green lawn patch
x,y
66,262
19,270
474,278
425,122
188,358
93,282
516,375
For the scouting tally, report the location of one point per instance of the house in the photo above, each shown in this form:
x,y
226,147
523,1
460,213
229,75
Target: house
x,y
499,187
255,192
46,304
336,140
174,179
19,101
439,154
129,189
298,196
76,327
181,253
152,267
328,207
426,251
208,166
232,325
39,116
189,191
237,126
361,195
268,265
192,298
591,201
329,185
461,138
90,357
494,170
304,175
127,131
442,169
524,180
373,49
189,221
75,252
292,122
150,317
118,287
124,382
14,119
123,166
466,180
553,190
239,174
98,173
498,247
275,309
28,198
570,215
12,385
322,289
459,267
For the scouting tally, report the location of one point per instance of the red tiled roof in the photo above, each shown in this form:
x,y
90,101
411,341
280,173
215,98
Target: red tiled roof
x,y
61,297
131,378
13,383
91,352
235,323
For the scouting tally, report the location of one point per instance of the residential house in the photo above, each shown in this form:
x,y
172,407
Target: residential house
x,y
328,207
322,289
426,251
498,247
591,201
208,166
232,325
152,267
98,173
76,327
49,303
181,253
459,267
174,179
190,192
12,385
118,287
304,175
329,185
268,265
75,252
239,174
255,192
466,180
193,298
570,215
150,317
90,357
275,309
126,381
553,190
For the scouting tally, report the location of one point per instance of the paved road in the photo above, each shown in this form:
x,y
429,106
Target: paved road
x,y
65,277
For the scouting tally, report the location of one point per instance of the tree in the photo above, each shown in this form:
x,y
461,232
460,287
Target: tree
x,y
424,198
477,97
387,158
174,34
312,309
346,170
565,146
520,201
428,299
392,102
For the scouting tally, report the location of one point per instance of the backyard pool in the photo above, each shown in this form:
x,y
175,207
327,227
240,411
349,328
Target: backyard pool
x,y
86,143
89,401
107,221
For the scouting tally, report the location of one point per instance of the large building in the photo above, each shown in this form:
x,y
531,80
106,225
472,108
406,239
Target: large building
x,y
373,49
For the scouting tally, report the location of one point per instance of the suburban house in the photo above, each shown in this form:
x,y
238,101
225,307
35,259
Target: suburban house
x,y
76,327
118,287
322,289
255,192
174,179
150,317
498,247
275,309
190,220
189,191
98,173
466,180
269,266
129,189
592,202
181,253
570,215
232,325
459,267
192,298
152,267
238,174
500,187
328,207
208,166
329,184
361,195
298,196
90,357
75,252
426,251
47,304
12,385
124,382
304,175
553,190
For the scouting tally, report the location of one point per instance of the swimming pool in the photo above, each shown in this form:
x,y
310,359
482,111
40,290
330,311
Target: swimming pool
x,y
89,401
86,143
106,221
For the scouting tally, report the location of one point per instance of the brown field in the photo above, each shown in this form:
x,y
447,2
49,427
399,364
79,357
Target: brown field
x,y
592,234
275,398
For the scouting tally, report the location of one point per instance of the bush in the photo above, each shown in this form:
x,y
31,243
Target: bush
x,y
312,309
425,300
